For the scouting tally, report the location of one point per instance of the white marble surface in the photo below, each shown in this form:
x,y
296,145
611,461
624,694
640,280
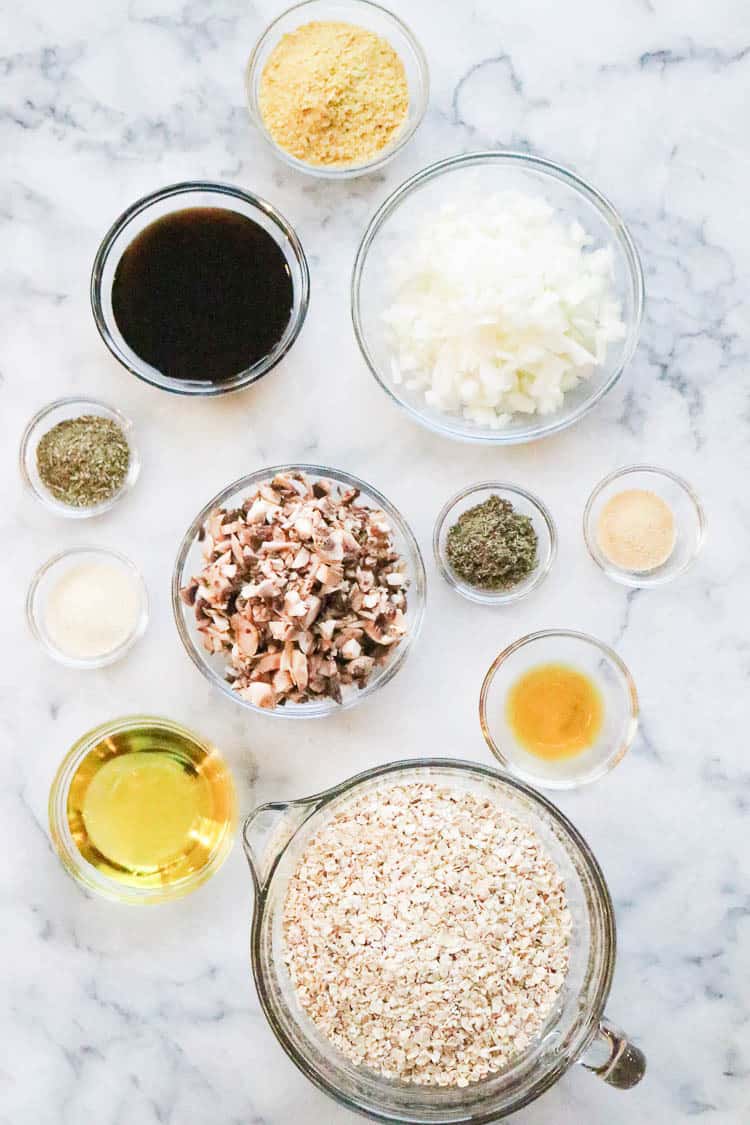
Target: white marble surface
x,y
129,1017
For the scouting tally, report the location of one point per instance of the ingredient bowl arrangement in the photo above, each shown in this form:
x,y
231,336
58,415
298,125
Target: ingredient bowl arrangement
x,y
276,837
496,297
376,637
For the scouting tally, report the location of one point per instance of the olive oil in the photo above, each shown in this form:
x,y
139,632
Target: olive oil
x,y
555,711
150,806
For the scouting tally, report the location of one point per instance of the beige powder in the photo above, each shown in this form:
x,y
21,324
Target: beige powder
x,y
333,94
636,530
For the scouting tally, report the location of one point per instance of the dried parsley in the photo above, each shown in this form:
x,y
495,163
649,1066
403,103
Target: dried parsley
x,y
492,546
83,461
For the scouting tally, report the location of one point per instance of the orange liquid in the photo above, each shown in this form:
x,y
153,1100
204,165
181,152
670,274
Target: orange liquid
x,y
555,711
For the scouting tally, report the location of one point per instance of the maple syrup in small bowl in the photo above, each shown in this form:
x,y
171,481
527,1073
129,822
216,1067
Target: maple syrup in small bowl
x,y
200,288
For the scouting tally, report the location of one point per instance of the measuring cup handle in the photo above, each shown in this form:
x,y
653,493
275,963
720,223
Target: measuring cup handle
x,y
266,832
614,1058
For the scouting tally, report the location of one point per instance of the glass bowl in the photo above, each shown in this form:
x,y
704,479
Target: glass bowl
x,y
689,519
526,504
213,667
47,418
51,572
584,654
364,14
180,197
164,735
490,172
275,836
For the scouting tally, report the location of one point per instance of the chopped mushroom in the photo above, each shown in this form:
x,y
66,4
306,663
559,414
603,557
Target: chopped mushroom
x,y
301,588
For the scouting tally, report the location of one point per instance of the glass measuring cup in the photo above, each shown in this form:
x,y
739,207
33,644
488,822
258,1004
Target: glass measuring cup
x,y
274,836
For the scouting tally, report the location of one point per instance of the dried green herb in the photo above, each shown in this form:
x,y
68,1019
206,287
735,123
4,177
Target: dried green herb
x,y
83,461
492,546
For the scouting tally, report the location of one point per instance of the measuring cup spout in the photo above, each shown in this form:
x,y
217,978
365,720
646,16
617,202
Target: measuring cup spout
x,y
266,832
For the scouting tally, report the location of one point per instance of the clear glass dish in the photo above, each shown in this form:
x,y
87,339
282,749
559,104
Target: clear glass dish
x,y
689,519
489,172
90,877
213,667
181,197
596,661
48,417
364,14
274,837
46,578
526,504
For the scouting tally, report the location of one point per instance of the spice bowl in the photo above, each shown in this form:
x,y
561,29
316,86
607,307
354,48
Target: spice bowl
x,y
524,503
361,13
169,201
46,580
582,654
45,420
677,494
214,666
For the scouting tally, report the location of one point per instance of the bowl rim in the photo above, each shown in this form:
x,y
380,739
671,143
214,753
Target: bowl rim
x,y
58,507
74,863
475,593
308,807
634,579
611,760
417,591
146,372
353,170
555,171
85,663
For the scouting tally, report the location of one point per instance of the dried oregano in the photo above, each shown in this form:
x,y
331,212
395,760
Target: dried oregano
x,y
492,546
83,461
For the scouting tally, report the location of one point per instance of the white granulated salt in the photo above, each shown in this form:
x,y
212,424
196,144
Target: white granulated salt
x,y
91,610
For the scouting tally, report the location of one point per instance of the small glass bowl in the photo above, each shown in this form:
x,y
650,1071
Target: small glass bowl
x,y
689,519
393,224
213,667
42,422
587,655
181,197
525,504
71,858
365,14
51,572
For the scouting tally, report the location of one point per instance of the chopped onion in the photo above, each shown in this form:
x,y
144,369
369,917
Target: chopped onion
x,y
498,309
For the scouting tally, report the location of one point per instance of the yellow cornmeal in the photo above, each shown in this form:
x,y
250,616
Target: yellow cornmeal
x,y
333,94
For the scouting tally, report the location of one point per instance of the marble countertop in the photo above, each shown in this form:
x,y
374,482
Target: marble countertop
x,y
149,1017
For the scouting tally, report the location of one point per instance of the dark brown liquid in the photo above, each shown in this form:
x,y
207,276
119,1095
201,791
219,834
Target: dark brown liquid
x,y
202,294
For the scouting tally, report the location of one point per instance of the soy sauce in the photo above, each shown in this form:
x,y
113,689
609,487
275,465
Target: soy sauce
x,y
202,294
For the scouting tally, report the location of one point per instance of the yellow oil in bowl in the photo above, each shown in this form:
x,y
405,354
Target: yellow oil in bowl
x,y
555,711
149,806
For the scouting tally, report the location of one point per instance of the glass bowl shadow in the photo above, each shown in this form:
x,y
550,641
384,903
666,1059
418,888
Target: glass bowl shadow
x,y
213,667
180,197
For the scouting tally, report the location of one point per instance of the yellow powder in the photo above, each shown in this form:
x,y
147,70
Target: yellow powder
x,y
636,530
333,93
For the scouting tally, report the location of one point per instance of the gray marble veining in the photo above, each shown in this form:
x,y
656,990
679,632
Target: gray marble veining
x,y
129,1017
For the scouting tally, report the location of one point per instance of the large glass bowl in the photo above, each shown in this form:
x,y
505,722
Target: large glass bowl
x,y
182,197
362,13
189,560
275,835
392,225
